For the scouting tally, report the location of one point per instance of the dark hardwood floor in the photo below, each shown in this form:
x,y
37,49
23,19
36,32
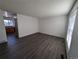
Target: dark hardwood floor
x,y
35,46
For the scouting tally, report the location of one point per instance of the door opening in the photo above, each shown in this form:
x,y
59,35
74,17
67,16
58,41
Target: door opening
x,y
11,28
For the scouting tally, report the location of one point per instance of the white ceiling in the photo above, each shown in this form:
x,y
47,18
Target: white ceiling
x,y
38,8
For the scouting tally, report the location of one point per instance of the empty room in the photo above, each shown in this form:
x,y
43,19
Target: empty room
x,y
38,29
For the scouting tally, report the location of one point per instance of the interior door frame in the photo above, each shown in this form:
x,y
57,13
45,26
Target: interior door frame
x,y
16,27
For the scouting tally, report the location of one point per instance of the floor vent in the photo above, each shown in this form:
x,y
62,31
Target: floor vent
x,y
62,56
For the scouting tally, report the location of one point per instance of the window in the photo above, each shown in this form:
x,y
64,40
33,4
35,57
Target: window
x,y
8,23
70,28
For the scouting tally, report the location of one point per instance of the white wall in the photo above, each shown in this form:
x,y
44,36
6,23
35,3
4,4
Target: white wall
x,y
51,25
2,29
54,25
27,25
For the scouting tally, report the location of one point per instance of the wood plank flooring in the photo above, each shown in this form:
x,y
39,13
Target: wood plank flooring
x,y
35,46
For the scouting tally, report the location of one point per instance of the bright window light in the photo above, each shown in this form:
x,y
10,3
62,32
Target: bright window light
x,y
8,23
70,28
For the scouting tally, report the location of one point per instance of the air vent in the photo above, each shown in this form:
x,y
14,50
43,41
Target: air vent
x,y
62,56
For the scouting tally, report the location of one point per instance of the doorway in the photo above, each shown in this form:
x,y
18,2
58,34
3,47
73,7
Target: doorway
x,y
11,28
